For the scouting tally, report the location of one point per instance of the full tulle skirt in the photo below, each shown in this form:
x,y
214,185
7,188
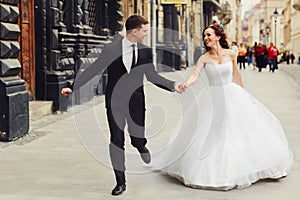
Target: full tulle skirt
x,y
226,139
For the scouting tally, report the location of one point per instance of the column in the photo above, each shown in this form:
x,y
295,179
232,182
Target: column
x,y
14,106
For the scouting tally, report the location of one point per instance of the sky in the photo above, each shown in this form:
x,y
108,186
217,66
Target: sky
x,y
247,4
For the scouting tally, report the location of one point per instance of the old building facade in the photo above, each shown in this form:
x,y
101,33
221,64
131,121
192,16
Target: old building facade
x,y
44,44
265,25
291,26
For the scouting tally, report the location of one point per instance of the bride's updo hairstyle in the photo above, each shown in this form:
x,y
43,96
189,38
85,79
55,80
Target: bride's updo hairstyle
x,y
219,32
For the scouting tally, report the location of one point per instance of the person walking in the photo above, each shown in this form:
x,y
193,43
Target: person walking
x,y
287,57
272,57
292,58
221,150
249,55
242,55
127,61
254,56
234,47
260,55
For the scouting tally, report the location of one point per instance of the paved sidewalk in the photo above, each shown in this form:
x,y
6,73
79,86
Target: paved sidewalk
x,y
292,71
52,162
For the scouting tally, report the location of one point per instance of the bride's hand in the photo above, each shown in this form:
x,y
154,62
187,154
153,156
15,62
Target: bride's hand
x,y
185,85
180,88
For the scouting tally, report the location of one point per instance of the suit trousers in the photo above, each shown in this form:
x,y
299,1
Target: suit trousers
x,y
117,118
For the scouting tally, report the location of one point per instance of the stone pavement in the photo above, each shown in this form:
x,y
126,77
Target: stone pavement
x,y
61,159
293,71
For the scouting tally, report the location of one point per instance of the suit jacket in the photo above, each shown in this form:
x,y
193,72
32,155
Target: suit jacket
x,y
123,88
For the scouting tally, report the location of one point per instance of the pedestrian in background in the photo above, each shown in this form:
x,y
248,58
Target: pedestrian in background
x,y
249,55
260,55
253,52
242,55
287,57
272,57
234,47
292,58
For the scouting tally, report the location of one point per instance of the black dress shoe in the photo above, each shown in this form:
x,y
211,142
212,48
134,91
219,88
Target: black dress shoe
x,y
145,154
119,189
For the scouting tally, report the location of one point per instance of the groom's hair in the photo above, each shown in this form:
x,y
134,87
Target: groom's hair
x,y
134,22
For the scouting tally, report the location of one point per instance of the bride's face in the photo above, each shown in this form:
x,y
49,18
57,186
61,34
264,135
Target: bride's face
x,y
210,37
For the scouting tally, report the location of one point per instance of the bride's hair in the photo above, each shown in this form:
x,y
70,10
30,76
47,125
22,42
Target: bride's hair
x,y
219,32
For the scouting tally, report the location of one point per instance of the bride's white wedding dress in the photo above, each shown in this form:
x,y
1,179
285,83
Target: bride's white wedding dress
x,y
226,139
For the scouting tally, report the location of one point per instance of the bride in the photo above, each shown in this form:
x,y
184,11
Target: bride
x,y
236,141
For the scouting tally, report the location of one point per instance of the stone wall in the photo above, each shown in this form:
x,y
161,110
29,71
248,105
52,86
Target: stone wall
x,y
14,113
66,44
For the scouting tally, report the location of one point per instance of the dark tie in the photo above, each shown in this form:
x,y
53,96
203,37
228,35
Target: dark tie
x,y
133,56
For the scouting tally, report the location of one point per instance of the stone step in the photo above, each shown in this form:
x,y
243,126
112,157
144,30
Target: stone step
x,y
39,109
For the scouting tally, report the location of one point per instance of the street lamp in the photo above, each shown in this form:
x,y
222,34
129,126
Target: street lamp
x,y
275,15
267,33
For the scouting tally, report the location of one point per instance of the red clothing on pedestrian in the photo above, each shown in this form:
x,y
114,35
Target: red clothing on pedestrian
x,y
272,52
259,51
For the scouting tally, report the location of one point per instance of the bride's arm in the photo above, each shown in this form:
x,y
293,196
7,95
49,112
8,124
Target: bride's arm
x,y
236,74
199,66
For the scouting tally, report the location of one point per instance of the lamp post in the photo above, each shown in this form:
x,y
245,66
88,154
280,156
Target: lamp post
x,y
275,15
267,34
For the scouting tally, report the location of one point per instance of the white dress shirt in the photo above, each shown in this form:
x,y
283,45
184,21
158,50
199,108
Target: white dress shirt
x,y
127,53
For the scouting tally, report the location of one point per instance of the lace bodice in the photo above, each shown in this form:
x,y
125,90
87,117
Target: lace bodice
x,y
219,74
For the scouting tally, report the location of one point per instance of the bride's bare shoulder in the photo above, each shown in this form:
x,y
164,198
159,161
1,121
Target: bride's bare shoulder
x,y
204,58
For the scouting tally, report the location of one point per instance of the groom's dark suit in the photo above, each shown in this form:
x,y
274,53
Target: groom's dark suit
x,y
124,97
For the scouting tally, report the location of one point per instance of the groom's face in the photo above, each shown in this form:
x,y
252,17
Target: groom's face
x,y
141,33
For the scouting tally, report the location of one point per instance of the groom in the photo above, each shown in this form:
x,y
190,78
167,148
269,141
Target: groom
x,y
127,61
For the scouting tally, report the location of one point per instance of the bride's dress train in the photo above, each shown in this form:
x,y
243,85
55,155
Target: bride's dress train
x,y
226,139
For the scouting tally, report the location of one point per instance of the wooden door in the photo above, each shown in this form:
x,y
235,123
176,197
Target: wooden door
x,y
26,40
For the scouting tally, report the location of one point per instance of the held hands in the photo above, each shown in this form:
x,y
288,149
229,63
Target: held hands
x,y
66,91
180,88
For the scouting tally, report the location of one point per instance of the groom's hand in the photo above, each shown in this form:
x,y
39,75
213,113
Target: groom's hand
x,y
66,91
179,88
